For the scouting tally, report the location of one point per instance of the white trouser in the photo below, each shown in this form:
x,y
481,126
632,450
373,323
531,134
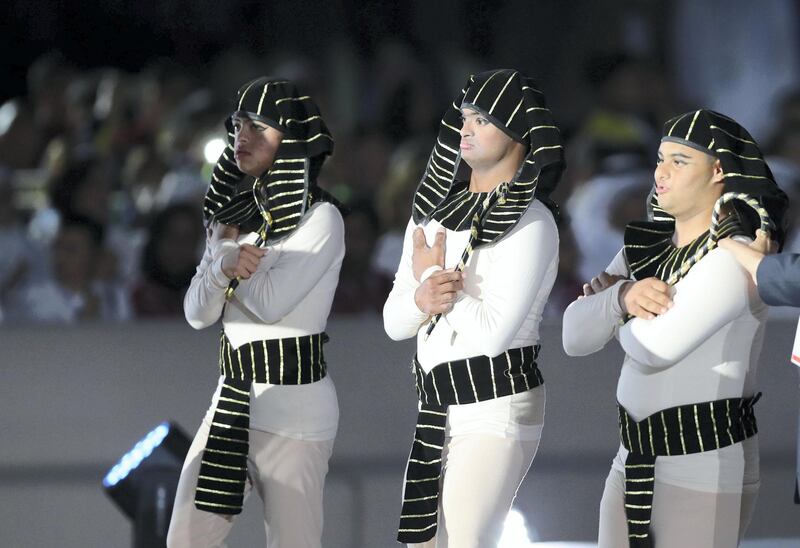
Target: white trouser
x,y
682,518
481,475
289,476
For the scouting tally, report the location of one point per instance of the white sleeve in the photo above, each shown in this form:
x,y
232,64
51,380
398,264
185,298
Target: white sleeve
x,y
519,263
205,297
590,322
401,317
284,279
715,292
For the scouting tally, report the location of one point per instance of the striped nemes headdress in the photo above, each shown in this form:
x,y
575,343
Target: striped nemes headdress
x,y
743,165
649,250
291,181
514,104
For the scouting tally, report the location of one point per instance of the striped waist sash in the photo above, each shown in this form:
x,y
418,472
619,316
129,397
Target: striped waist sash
x,y
223,469
452,383
682,430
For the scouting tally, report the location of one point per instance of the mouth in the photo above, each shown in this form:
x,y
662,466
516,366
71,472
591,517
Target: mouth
x,y
463,145
661,190
240,153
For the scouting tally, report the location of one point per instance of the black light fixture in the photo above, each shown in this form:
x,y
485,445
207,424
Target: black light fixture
x,y
144,481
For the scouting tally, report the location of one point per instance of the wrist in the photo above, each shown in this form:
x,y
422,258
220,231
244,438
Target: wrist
x,y
622,291
428,272
218,273
417,300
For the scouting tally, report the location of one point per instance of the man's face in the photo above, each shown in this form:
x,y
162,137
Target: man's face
x,y
688,181
74,257
482,143
254,145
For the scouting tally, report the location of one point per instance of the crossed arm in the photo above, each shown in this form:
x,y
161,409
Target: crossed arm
x,y
273,282
715,293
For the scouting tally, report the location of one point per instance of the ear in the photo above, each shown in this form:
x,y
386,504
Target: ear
x,y
718,176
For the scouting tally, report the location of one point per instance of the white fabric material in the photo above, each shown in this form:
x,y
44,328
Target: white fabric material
x,y
704,348
289,476
289,295
681,517
476,498
505,290
796,347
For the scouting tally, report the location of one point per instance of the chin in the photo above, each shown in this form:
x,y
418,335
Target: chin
x,y
247,169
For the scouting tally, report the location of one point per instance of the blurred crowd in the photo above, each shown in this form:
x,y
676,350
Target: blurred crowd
x,y
102,172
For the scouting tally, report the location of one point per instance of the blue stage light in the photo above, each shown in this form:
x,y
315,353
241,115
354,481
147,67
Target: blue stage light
x,y
133,458
144,481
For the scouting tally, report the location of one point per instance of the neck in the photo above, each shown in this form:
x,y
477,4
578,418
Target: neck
x,y
690,227
486,179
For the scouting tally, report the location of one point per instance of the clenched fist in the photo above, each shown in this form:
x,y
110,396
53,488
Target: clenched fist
x,y
645,299
242,264
438,293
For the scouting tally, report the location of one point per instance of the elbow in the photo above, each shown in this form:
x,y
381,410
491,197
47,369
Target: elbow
x,y
271,316
394,331
574,345
196,322
571,346
396,335
491,348
649,351
655,359
573,340
494,340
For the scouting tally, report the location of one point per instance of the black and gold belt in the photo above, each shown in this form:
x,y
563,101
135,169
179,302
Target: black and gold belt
x,y
223,469
453,383
682,430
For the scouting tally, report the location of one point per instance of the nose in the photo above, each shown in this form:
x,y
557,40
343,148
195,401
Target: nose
x,y
466,129
661,172
241,136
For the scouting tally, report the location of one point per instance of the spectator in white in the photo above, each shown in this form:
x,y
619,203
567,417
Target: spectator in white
x,y
599,208
73,292
22,259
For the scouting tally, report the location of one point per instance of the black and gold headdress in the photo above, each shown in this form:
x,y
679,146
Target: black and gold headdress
x,y
290,183
749,186
513,103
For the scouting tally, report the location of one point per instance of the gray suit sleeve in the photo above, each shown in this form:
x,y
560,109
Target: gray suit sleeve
x,y
779,279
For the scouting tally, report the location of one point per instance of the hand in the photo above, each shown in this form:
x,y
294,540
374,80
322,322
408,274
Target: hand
x,y
438,293
425,257
749,256
645,299
601,282
242,263
762,244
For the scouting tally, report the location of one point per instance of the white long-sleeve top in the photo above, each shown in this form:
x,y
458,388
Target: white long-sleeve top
x,y
506,287
289,295
704,348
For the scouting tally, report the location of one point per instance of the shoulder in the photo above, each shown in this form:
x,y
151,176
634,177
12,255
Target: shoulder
x,y
537,218
322,220
324,214
721,267
536,229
